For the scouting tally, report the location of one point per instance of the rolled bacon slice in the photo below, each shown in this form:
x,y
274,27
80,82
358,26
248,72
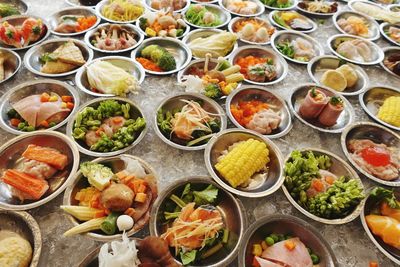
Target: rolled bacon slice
x,y
331,112
313,104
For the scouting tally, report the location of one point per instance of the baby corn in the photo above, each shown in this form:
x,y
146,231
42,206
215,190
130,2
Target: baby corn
x,y
390,111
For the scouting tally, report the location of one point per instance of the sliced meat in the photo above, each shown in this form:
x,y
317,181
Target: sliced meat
x,y
266,263
36,168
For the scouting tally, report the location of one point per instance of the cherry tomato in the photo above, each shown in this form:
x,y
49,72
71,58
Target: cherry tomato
x,y
376,156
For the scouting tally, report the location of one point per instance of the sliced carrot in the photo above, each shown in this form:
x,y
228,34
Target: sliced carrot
x,y
44,97
45,124
130,212
373,264
290,245
67,98
29,185
117,119
14,122
70,105
140,197
142,188
122,174
329,179
255,262
317,185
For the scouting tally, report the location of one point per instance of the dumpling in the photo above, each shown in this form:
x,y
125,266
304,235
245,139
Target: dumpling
x,y
350,51
349,73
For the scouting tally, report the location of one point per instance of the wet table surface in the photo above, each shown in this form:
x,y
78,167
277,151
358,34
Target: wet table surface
x,y
349,242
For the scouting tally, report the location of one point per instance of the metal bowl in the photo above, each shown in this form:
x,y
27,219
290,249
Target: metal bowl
x,y
340,168
376,50
272,178
24,225
375,133
54,19
294,3
127,64
345,118
394,7
143,31
148,6
12,63
259,12
276,24
195,63
223,15
392,253
177,48
385,26
317,14
318,65
285,224
17,21
135,112
99,10
387,51
372,99
90,35
21,5
231,210
80,182
31,88
173,102
373,26
292,35
32,56
233,21
204,2
252,92
259,51
352,2
11,151
78,3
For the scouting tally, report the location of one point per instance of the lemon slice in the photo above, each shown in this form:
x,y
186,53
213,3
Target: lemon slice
x,y
334,80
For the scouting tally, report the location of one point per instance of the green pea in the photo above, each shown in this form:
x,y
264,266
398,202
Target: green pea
x,y
29,128
269,240
281,237
314,258
274,237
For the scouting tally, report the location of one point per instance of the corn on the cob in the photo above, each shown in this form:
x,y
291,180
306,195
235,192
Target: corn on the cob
x,y
390,111
243,161
82,213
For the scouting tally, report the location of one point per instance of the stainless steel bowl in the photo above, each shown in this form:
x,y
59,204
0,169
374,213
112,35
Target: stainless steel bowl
x,y
293,4
317,14
373,26
339,168
383,28
17,21
260,9
222,14
78,3
195,63
148,6
54,19
352,2
372,99
259,51
394,7
377,52
267,24
24,225
252,92
32,56
173,102
79,182
286,224
177,48
127,64
21,5
12,63
387,51
90,35
34,88
11,151
99,10
282,36
276,24
231,210
272,178
375,133
318,65
345,118
204,2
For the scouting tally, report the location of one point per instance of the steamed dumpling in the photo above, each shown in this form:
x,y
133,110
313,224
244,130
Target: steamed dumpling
x,y
356,50
349,73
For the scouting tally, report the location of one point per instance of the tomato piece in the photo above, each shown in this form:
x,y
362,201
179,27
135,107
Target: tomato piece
x,y
376,156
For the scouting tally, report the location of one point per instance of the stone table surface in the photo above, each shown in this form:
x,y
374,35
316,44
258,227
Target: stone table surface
x,y
349,242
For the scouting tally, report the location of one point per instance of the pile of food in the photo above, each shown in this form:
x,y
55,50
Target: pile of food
x,y
74,23
218,45
277,3
353,49
257,68
257,115
113,202
298,49
156,58
163,24
319,191
283,250
292,20
253,29
172,5
389,112
123,10
319,6
201,16
392,62
190,125
341,78
194,227
8,10
14,250
355,25
40,112
244,163
29,178
393,33
243,7
19,36
377,12
113,37
107,127
65,58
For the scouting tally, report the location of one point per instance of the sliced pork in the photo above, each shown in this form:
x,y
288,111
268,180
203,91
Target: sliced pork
x,y
313,104
331,112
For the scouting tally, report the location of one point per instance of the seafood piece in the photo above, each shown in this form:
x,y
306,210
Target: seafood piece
x,y
74,23
357,50
320,185
394,33
163,24
264,121
292,20
313,104
386,210
36,168
386,228
10,35
253,30
47,155
392,62
331,111
109,127
32,30
319,6
168,4
354,25
243,7
303,48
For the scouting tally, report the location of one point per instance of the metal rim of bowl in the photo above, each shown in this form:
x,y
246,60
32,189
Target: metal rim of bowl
x,y
316,14
366,110
390,7
27,5
88,152
294,4
98,19
352,2
98,8
206,180
347,104
260,7
343,138
79,74
69,190
272,20
221,10
216,178
75,165
44,37
174,40
36,233
208,2
370,21
260,222
260,88
210,101
4,99
236,19
377,49
312,76
30,52
350,217
69,2
180,74
386,49
177,11
90,33
18,67
280,60
383,25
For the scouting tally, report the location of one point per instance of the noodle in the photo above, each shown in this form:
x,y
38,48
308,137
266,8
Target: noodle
x,y
123,10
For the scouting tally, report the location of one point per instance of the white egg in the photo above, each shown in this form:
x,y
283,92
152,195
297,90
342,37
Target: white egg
x,y
124,222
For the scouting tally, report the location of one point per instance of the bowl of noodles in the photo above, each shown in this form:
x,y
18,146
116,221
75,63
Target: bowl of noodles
x,y
120,11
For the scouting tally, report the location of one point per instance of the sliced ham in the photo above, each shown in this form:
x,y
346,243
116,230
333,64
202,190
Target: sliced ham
x,y
28,108
311,106
330,114
266,263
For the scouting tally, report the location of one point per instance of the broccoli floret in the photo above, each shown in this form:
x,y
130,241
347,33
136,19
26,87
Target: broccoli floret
x,y
167,62
98,175
160,56
212,90
143,22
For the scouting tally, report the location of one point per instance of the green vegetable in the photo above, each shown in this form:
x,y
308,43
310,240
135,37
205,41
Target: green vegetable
x,y
195,15
280,21
274,237
179,32
160,56
171,215
286,48
379,194
98,175
188,257
314,258
222,64
206,196
225,236
199,140
211,251
46,57
12,113
177,201
277,3
65,18
8,10
218,45
212,90
143,23
164,122
269,240
109,226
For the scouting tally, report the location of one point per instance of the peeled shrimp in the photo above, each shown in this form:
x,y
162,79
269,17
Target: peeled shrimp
x,y
264,121
208,17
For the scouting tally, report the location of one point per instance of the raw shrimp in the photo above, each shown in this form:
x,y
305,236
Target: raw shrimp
x,y
264,121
